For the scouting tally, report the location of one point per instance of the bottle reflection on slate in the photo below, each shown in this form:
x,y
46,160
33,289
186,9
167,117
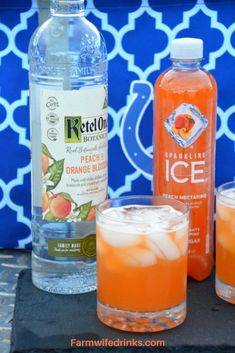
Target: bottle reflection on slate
x,y
68,109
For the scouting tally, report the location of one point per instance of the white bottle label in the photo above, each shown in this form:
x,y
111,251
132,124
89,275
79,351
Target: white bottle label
x,y
74,132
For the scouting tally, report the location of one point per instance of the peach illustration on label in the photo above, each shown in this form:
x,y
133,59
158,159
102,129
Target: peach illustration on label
x,y
59,206
91,214
180,121
183,123
184,134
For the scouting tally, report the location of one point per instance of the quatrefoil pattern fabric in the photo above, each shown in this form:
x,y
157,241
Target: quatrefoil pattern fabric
x,y
138,33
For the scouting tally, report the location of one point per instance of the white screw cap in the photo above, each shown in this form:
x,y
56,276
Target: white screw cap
x,y
187,48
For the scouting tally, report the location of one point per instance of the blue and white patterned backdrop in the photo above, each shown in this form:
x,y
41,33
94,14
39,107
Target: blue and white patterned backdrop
x,y
137,35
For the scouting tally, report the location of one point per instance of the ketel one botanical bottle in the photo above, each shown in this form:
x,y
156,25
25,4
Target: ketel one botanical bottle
x,y
68,107
184,145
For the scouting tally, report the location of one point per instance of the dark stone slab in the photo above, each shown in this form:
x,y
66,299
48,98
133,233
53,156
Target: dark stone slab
x,y
46,323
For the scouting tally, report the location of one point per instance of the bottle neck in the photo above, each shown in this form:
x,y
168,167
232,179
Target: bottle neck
x,y
179,64
67,7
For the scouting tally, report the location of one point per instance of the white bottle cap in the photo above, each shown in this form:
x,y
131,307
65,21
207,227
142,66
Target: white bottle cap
x,y
187,48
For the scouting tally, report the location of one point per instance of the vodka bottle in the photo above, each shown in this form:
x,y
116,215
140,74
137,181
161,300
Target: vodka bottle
x,y
68,109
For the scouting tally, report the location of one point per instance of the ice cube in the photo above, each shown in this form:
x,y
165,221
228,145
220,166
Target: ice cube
x,y
181,238
230,197
120,237
223,211
143,216
123,225
155,249
224,240
137,257
182,232
165,244
226,205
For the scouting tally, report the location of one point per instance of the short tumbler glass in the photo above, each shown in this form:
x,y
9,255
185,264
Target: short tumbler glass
x,y
142,244
225,242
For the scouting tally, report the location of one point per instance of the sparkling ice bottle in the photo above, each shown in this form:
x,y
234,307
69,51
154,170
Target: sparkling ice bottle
x,y
184,145
68,108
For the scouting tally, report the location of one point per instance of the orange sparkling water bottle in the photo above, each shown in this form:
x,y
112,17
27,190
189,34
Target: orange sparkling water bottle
x,y
184,145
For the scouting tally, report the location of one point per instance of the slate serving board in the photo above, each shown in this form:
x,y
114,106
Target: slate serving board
x,y
46,323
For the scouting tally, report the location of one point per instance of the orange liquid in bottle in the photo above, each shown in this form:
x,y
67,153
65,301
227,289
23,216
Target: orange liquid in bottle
x,y
184,140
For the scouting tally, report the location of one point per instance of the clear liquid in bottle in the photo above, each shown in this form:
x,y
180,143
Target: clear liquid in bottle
x,y
68,110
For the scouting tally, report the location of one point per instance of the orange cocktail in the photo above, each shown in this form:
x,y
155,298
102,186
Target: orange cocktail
x,y
142,263
225,242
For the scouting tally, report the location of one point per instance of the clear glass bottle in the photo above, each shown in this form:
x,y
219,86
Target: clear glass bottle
x,y
68,109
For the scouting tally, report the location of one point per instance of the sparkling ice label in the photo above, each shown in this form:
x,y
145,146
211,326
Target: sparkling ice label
x,y
186,170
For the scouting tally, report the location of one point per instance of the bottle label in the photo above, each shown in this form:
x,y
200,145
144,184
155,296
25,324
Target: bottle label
x,y
72,247
186,124
74,130
185,153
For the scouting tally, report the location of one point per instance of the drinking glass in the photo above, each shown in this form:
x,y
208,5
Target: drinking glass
x,y
225,242
142,246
